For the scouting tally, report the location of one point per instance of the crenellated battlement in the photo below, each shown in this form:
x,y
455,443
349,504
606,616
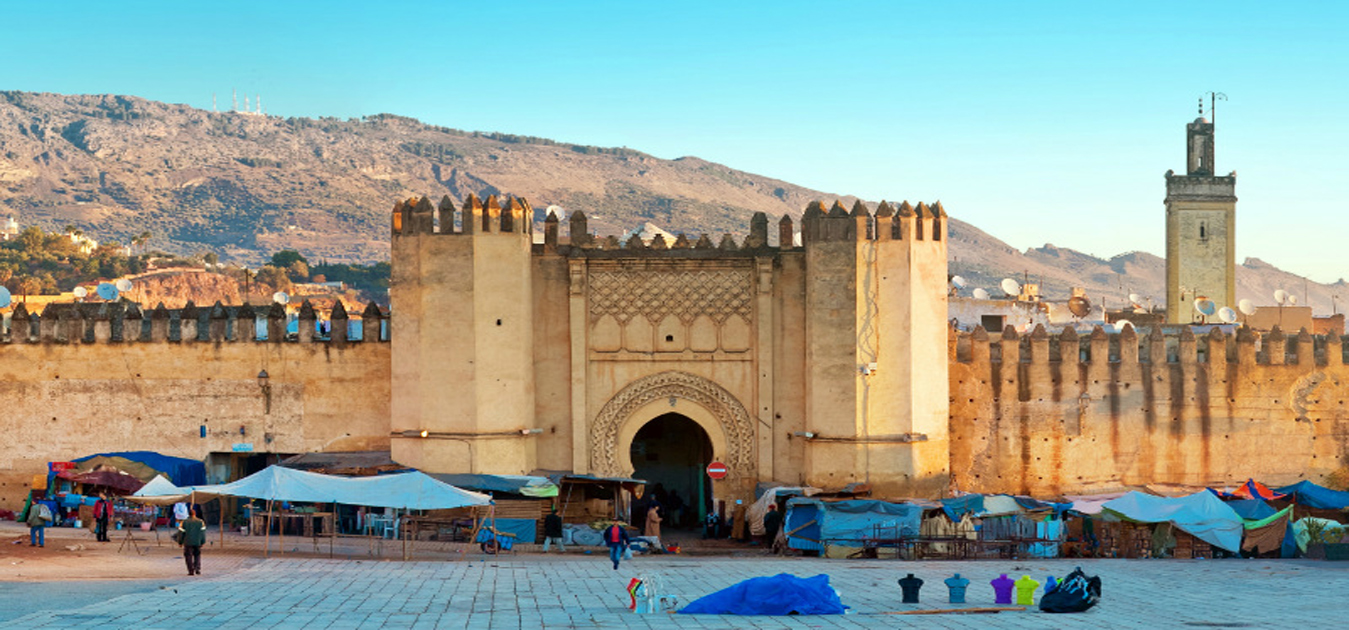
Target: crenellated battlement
x,y
1246,347
493,216
118,322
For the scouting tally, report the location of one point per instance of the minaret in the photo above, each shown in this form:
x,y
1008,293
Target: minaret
x,y
1201,212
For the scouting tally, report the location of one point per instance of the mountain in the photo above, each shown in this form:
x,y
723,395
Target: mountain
x,y
246,185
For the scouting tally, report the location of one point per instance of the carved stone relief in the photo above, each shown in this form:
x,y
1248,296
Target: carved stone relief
x,y
734,419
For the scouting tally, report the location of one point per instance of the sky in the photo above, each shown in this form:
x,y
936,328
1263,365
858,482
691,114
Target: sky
x,y
1038,122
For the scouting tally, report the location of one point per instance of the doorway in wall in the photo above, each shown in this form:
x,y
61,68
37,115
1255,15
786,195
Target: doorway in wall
x,y
671,452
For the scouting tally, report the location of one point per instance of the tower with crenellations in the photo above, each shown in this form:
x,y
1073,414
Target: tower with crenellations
x,y
464,373
1201,211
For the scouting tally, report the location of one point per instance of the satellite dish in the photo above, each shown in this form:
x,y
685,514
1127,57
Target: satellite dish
x,y
1079,306
1136,298
1280,296
123,285
107,291
1247,308
5,298
1205,306
1227,315
958,281
81,292
1292,299
1119,325
1011,287
280,298
981,294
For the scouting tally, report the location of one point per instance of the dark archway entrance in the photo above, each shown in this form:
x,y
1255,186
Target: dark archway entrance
x,y
671,452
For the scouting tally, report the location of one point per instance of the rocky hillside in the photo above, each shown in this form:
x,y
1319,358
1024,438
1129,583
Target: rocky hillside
x,y
245,186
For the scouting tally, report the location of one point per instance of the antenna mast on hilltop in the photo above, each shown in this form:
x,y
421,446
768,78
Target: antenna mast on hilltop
x,y
234,94
258,103
213,109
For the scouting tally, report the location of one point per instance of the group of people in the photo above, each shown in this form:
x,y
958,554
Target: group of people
x,y
191,533
43,513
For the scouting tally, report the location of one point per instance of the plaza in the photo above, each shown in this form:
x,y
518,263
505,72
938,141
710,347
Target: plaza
x,y
466,589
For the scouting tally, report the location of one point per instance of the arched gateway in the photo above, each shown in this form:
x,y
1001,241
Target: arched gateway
x,y
806,357
725,420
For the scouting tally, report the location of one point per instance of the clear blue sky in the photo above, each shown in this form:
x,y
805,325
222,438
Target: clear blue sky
x,y
1037,122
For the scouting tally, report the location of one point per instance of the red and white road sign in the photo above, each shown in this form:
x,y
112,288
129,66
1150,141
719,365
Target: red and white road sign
x,y
716,470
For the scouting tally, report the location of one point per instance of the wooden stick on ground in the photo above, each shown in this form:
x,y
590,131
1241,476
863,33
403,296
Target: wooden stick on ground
x,y
957,611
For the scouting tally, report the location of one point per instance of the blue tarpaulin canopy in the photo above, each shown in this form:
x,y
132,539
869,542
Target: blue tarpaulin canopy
x,y
1252,509
781,594
1308,494
524,485
180,470
850,522
1201,514
956,507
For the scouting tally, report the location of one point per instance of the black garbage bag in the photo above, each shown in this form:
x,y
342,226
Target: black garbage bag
x,y
1076,593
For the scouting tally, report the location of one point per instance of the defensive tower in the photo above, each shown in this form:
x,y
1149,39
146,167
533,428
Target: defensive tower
x,y
463,381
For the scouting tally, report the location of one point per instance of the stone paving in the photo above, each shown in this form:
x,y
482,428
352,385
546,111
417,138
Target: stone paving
x,y
582,591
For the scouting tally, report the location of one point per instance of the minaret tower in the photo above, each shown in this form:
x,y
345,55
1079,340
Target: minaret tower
x,y
1201,210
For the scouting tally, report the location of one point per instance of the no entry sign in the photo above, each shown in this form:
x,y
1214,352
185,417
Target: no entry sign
x,y
716,470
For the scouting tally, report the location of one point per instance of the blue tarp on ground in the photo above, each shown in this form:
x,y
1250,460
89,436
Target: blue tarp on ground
x,y
1310,495
1252,509
181,471
1201,514
781,594
851,522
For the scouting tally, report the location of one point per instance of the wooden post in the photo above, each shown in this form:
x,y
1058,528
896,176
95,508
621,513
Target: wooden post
x,y
222,522
281,531
267,539
332,535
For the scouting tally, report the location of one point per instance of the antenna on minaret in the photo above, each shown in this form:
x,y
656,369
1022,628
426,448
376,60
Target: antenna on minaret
x,y
1213,98
234,94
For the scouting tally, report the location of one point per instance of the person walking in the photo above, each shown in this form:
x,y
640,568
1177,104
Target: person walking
x,y
102,514
552,530
192,537
617,538
653,519
771,522
39,516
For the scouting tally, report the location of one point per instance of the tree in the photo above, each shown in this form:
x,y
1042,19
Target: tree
x,y
274,277
210,258
29,286
287,257
32,239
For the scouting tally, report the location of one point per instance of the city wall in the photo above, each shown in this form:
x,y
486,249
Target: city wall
x,y
1046,415
74,386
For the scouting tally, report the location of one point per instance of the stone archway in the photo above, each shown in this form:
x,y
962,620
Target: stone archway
x,y
726,421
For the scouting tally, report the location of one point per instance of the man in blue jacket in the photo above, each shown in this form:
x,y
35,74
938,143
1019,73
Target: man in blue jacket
x,y
617,539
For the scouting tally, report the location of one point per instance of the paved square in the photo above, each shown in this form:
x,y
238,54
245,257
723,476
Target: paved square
x,y
582,591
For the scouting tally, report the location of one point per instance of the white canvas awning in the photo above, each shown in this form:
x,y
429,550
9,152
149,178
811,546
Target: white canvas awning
x,y
160,491
409,490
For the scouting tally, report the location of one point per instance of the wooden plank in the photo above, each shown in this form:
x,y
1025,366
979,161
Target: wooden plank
x,y
957,611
